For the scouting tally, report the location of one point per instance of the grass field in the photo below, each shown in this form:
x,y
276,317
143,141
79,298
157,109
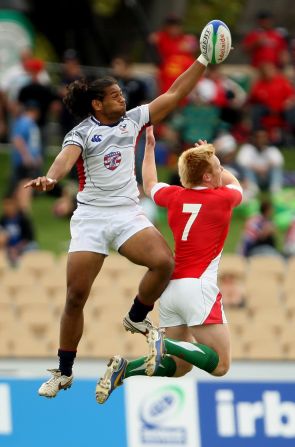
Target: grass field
x,y
53,233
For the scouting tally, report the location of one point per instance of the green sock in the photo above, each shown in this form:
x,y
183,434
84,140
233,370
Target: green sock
x,y
137,367
194,353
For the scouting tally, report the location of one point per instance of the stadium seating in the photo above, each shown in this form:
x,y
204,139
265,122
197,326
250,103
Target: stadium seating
x,y
32,298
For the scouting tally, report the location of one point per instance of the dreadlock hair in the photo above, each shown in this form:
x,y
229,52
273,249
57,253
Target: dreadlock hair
x,y
81,93
193,163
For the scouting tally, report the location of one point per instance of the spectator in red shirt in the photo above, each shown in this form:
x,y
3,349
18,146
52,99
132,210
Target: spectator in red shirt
x,y
265,43
272,99
176,51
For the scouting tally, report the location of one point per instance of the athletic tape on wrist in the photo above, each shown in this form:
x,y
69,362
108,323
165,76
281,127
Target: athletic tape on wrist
x,y
202,60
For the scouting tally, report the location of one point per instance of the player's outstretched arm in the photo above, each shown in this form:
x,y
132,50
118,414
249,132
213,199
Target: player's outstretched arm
x,y
149,170
61,166
164,104
215,45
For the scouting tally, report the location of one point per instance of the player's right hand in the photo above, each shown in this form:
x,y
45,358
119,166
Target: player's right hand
x,y
150,141
41,184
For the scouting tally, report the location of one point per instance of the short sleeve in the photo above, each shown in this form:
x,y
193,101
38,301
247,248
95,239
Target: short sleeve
x,y
140,115
73,137
234,194
162,193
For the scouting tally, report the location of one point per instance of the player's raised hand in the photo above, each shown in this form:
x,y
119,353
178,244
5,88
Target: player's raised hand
x,y
200,143
150,141
41,184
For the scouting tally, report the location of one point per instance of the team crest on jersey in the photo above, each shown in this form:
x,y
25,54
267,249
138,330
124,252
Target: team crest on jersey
x,y
123,127
112,160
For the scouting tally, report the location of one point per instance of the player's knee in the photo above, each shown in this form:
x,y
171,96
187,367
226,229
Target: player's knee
x,y
165,264
182,368
221,369
76,299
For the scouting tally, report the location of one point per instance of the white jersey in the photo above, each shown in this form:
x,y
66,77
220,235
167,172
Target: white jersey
x,y
106,167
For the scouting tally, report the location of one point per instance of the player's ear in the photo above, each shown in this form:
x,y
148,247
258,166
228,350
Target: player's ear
x,y
207,177
96,105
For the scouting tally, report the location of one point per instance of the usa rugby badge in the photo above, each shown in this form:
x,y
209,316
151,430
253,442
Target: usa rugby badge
x,y
112,160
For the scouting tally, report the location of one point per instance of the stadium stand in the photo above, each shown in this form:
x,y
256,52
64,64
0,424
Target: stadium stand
x,y
32,298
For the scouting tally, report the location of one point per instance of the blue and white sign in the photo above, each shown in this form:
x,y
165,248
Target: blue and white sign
x,y
247,414
73,418
161,412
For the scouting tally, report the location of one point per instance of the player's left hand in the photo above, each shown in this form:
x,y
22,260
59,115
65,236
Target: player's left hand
x,y
200,143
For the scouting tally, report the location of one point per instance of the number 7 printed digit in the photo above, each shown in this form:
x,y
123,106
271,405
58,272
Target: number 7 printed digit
x,y
193,209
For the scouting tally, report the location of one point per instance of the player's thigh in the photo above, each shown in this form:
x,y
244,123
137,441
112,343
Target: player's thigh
x,y
216,336
147,247
181,333
82,269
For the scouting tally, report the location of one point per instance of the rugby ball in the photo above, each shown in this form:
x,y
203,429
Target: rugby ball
x,y
215,42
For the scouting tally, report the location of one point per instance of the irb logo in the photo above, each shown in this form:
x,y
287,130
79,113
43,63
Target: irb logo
x,y
240,419
247,414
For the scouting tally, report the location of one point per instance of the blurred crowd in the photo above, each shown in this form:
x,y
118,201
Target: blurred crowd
x,y
248,122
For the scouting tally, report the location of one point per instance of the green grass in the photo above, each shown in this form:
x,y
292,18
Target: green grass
x,y
53,233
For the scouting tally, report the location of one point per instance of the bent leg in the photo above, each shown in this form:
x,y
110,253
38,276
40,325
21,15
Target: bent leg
x,y
149,248
180,333
216,337
82,269
171,366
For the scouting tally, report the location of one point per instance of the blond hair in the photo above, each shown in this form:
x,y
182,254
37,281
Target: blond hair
x,y
193,163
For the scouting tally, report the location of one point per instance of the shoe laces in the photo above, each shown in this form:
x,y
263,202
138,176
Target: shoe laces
x,y
56,375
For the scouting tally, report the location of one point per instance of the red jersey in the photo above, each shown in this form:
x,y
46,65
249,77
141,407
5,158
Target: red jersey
x,y
272,92
265,46
199,219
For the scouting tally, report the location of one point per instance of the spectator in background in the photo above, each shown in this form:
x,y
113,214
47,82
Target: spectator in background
x,y
229,96
71,71
232,289
272,101
199,119
17,76
44,95
259,236
226,150
265,44
176,50
16,231
26,155
133,88
263,162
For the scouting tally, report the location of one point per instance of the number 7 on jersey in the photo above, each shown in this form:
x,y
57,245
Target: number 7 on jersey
x,y
193,209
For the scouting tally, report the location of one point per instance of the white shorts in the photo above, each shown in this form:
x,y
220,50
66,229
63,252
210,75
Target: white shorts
x,y
98,229
191,302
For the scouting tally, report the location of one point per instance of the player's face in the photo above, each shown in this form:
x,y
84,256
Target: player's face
x,y
113,103
216,171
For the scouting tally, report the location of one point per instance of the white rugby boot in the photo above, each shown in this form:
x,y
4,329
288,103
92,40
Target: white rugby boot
x,y
157,350
140,327
56,383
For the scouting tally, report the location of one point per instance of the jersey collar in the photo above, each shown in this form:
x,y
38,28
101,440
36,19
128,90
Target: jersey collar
x,y
107,125
200,187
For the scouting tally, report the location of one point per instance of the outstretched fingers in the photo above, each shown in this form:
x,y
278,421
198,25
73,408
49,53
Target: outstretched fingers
x,y
41,183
